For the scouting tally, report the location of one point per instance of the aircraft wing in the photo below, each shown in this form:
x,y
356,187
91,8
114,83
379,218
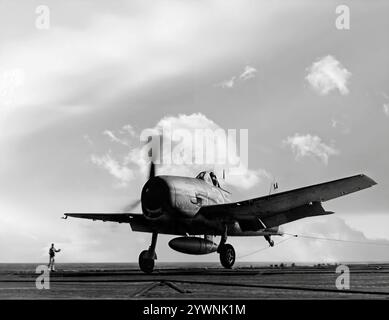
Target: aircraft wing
x,y
283,207
137,221
113,217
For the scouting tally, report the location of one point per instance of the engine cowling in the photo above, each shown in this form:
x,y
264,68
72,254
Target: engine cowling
x,y
193,245
156,198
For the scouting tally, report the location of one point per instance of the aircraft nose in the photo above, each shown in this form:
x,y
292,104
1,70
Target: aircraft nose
x,y
155,195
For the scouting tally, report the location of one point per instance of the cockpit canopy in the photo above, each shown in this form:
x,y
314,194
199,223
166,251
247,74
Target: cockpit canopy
x,y
208,177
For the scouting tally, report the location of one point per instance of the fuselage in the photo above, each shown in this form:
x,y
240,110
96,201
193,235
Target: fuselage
x,y
171,204
180,197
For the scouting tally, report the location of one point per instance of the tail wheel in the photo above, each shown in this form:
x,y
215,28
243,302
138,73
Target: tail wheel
x,y
146,264
227,256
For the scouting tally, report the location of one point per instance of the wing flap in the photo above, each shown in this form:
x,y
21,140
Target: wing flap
x,y
305,211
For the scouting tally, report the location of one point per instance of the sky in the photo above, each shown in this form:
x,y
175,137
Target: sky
x,y
81,80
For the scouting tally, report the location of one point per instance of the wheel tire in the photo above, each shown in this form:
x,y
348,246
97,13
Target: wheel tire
x,y
227,256
145,263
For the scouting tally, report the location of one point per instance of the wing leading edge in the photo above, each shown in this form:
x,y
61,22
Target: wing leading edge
x,y
290,205
137,221
112,217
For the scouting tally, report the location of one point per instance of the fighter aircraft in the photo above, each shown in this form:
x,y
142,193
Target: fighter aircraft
x,y
189,207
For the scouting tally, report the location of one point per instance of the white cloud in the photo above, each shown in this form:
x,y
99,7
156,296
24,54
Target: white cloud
x,y
128,129
310,146
122,173
247,178
334,227
227,83
111,135
328,74
241,177
385,107
114,138
310,249
248,73
185,156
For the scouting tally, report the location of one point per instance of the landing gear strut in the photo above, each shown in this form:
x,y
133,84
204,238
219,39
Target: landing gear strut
x,y
268,239
147,257
226,252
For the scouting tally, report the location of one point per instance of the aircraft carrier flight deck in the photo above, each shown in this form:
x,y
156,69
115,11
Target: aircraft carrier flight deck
x,y
367,281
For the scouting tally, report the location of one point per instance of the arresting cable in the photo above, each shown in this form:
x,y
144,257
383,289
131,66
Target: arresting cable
x,y
292,236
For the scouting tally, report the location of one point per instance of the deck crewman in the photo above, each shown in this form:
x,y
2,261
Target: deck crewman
x,y
52,252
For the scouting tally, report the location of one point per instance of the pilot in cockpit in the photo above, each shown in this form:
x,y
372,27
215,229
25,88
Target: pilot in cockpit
x,y
214,179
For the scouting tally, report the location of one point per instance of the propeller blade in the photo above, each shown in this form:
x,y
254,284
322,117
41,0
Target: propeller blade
x,y
129,208
154,153
132,206
152,170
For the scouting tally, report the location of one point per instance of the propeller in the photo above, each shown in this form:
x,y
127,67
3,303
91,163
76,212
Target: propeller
x,y
130,207
152,170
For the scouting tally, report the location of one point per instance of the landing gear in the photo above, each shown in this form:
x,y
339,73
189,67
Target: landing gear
x,y
268,239
147,257
227,256
226,251
146,264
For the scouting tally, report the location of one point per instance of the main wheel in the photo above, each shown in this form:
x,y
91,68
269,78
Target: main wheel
x,y
145,263
227,256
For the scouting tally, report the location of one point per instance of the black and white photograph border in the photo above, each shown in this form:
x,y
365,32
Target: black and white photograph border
x,y
194,150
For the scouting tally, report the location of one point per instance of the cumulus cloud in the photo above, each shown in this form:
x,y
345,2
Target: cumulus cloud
x,y
248,73
354,246
212,153
310,146
121,172
328,74
360,247
185,145
244,178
